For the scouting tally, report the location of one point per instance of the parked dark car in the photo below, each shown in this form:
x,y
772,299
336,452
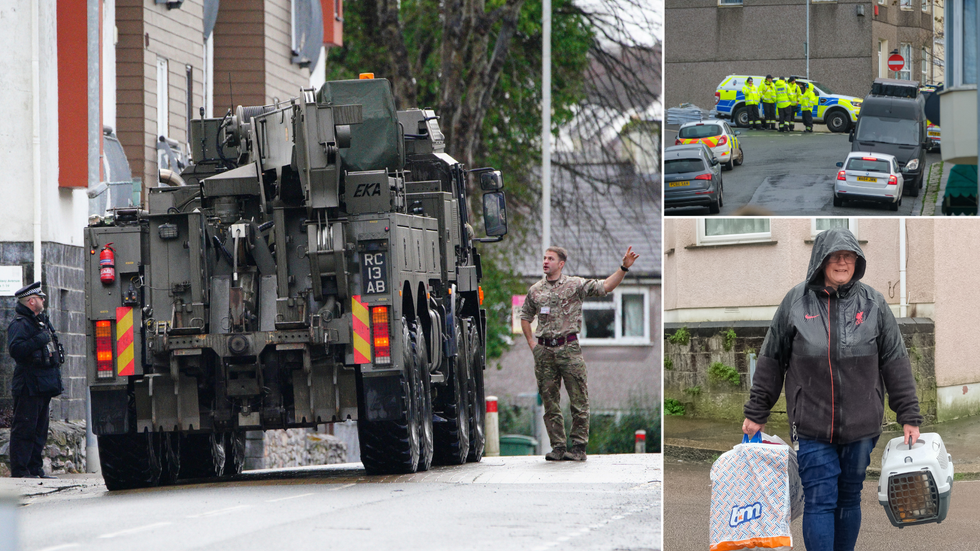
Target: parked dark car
x,y
893,121
692,178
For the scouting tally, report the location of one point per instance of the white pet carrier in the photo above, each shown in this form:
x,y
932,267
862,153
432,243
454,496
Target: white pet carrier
x,y
915,483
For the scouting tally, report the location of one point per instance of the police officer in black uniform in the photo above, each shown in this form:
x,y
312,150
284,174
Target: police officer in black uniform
x,y
34,346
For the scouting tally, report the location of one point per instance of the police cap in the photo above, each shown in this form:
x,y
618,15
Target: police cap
x,y
769,77
32,289
792,79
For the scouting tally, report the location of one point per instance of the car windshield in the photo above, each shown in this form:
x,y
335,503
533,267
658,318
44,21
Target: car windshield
x,y
868,164
680,166
823,88
887,130
699,131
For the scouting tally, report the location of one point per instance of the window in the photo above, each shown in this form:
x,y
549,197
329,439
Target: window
x,y
961,40
621,317
925,67
906,72
925,5
818,225
163,98
731,231
906,4
729,2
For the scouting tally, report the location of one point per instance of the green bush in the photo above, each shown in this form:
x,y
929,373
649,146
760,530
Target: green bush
x,y
617,433
719,372
729,339
693,391
681,336
668,363
512,419
673,407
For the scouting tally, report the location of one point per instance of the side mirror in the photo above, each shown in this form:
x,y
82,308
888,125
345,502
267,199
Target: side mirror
x,y
840,165
714,161
738,133
495,213
491,181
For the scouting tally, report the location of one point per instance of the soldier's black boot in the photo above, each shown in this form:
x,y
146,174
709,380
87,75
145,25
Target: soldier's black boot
x,y
577,453
556,454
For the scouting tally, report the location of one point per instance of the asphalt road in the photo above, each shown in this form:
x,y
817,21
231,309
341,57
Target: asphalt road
x,y
792,175
687,504
610,502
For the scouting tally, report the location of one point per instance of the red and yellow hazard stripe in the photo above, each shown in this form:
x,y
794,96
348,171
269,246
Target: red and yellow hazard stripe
x,y
362,331
125,361
710,142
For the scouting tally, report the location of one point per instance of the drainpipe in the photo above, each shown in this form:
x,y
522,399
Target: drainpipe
x,y
36,133
903,309
95,151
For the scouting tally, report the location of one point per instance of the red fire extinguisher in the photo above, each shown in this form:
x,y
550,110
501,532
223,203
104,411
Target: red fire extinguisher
x,y
107,262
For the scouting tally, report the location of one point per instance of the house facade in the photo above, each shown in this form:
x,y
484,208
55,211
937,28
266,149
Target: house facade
x,y
729,273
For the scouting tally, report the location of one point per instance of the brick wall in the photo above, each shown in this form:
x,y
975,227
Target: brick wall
x,y
63,281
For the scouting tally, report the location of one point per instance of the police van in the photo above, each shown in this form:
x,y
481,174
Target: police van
x,y
837,111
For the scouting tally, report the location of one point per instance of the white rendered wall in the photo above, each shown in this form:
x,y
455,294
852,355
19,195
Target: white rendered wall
x,y
63,212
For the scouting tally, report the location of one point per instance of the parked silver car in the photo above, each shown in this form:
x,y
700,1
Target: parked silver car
x,y
869,177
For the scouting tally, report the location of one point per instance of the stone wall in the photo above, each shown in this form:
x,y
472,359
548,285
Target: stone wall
x,y
730,347
63,281
294,448
64,453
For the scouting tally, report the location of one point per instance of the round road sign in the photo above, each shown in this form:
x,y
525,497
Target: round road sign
x,y
896,62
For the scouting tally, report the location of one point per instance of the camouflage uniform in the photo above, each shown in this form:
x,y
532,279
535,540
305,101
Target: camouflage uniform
x,y
558,307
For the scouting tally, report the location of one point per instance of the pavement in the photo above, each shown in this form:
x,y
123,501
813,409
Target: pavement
x,y
705,439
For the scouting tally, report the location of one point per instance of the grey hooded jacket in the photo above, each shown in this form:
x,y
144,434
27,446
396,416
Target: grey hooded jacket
x,y
838,352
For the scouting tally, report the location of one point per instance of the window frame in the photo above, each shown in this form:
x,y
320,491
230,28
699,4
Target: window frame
x,y
905,50
617,307
728,239
905,5
730,3
852,225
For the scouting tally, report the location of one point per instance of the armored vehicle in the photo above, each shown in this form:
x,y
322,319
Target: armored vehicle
x,y
318,266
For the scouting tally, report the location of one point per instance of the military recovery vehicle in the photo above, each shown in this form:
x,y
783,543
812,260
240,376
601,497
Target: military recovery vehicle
x,y
318,266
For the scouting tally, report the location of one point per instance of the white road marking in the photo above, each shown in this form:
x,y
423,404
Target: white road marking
x,y
341,487
287,498
135,530
59,547
220,511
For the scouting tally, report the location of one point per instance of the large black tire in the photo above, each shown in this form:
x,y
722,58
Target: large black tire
x,y
741,117
838,202
916,185
477,394
130,460
202,455
741,157
452,433
392,447
234,452
169,458
837,121
422,395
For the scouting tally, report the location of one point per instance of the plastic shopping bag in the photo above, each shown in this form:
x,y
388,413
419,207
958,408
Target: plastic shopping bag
x,y
795,484
750,497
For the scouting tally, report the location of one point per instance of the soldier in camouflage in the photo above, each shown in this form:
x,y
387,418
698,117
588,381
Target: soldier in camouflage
x,y
556,300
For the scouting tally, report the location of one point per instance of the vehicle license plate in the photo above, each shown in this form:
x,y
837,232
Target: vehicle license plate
x,y
374,273
934,134
679,184
866,179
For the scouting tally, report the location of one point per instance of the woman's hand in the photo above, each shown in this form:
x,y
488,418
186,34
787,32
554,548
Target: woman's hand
x,y
751,427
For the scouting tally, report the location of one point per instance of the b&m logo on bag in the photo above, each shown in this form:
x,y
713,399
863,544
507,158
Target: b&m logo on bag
x,y
741,515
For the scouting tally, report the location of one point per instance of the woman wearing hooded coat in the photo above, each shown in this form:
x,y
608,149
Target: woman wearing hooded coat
x,y
835,344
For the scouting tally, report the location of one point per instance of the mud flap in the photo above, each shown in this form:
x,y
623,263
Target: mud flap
x,y
110,410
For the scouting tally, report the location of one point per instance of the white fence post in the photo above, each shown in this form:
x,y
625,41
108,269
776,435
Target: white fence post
x,y
492,446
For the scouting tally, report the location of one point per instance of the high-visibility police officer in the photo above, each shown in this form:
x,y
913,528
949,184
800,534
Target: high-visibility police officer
x,y
793,90
768,92
783,104
751,102
808,100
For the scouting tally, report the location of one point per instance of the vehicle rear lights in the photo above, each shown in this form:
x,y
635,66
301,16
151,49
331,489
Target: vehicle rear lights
x,y
841,176
380,334
677,141
868,159
103,350
892,180
703,177
723,140
717,96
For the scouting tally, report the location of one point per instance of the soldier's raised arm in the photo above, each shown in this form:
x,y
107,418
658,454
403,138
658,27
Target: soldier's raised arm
x,y
616,278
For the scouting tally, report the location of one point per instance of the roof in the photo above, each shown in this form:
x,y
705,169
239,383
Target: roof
x,y
597,212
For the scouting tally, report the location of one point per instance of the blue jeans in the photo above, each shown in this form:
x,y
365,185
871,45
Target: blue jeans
x,y
833,477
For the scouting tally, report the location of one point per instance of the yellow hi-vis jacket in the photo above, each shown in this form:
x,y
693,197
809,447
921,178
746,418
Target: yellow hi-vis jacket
x,y
751,94
793,91
808,100
782,94
768,91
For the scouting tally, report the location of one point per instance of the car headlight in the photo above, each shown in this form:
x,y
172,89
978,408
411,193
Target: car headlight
x,y
913,164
